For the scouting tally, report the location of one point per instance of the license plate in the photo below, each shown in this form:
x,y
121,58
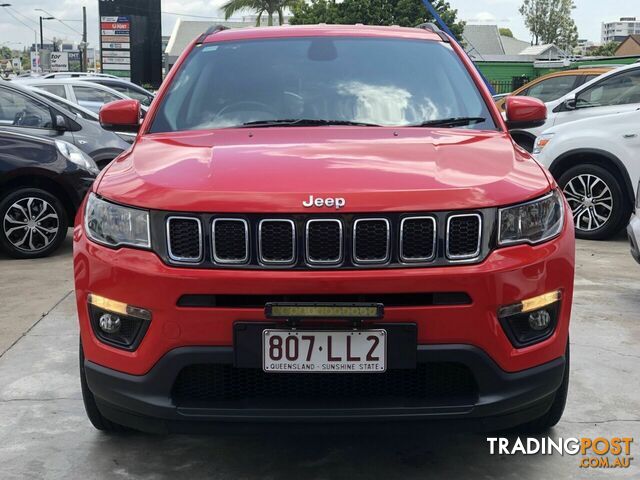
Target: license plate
x,y
324,351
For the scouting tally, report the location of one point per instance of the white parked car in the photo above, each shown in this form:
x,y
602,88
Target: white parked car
x,y
596,162
86,94
616,91
76,75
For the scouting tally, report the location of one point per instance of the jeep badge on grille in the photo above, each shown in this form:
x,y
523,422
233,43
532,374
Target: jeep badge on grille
x,y
337,202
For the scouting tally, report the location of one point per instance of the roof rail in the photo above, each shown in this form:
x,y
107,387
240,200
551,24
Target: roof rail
x,y
432,27
210,30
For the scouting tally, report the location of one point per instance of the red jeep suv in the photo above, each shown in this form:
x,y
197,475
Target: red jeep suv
x,y
323,223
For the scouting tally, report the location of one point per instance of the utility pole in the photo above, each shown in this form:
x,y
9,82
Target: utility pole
x,y
41,36
84,40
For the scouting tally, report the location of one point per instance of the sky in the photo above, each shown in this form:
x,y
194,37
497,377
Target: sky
x,y
19,29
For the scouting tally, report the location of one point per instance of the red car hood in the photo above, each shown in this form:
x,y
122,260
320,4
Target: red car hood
x,y
276,169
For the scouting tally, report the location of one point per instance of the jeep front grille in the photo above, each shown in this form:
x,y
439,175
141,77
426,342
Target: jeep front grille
x,y
392,240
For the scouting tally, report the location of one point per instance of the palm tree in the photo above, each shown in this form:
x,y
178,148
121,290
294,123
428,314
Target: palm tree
x,y
259,6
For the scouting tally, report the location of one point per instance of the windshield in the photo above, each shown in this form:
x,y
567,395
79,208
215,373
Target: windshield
x,y
373,81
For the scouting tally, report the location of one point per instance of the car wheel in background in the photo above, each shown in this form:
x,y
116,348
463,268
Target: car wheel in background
x,y
33,223
597,201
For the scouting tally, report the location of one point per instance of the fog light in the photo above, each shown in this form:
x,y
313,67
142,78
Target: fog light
x,y
110,323
116,323
532,320
539,320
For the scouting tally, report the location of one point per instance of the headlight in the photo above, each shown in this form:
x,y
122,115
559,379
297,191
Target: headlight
x,y
542,142
532,222
77,156
114,225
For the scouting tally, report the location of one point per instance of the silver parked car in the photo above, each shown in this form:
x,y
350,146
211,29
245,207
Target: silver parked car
x,y
86,94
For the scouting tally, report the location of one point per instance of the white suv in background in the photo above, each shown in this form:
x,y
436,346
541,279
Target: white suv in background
x,y
616,91
596,162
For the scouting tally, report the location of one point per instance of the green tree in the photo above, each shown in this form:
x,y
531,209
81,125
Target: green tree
x,y
606,50
406,13
5,53
506,32
549,21
260,7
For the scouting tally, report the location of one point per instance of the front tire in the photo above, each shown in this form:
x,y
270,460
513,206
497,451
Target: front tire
x,y
33,223
597,200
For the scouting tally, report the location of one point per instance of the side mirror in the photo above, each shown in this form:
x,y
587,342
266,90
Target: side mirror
x,y
61,124
570,103
524,112
120,116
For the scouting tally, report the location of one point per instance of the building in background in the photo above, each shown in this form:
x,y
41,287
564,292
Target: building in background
x,y
185,31
484,43
618,31
629,46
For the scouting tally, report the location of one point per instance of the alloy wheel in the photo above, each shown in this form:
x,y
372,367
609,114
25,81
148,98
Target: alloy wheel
x,y
590,200
31,224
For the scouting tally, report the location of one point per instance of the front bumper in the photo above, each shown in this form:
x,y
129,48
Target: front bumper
x,y
503,399
633,232
513,384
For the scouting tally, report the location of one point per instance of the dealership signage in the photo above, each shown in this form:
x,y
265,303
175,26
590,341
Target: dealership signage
x,y
131,40
59,62
115,42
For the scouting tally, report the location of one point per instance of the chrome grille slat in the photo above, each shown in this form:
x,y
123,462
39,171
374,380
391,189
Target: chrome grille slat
x,y
373,246
230,240
418,237
464,235
280,250
181,244
324,241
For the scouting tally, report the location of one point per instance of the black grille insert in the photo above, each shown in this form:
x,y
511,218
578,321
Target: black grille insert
x,y
230,240
276,241
388,299
418,239
429,383
184,239
324,241
371,240
463,241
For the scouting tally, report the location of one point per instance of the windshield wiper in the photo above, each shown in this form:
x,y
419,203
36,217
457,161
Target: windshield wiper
x,y
305,122
450,122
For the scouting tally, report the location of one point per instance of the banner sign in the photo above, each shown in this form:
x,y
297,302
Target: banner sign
x,y
115,45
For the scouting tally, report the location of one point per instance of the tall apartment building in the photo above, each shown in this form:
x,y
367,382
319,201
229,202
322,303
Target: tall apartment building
x,y
618,31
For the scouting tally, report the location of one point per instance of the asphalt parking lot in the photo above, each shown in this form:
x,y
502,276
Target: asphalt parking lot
x,y
44,433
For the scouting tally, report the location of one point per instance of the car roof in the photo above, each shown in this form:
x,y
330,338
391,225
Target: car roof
x,y
287,31
577,71
70,81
